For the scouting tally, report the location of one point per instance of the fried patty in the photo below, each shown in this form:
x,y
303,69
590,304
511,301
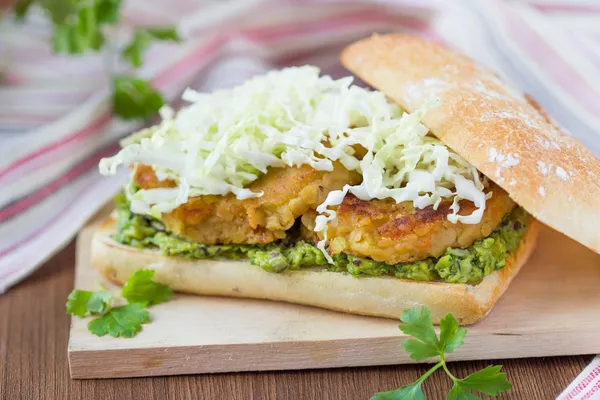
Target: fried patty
x,y
288,193
394,233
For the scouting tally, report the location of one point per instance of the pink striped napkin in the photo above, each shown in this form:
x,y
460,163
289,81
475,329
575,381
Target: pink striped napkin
x,y
55,122
586,386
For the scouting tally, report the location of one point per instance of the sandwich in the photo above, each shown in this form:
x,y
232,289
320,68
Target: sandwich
x,y
425,190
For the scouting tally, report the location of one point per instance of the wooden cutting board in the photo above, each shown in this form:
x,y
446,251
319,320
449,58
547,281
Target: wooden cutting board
x,y
551,308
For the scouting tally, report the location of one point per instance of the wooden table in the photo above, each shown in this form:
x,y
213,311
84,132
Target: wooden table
x,y
33,361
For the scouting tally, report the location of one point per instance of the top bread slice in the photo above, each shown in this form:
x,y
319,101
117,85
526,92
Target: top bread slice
x,y
498,129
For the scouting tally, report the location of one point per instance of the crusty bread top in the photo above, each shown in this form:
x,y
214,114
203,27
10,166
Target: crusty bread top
x,y
501,131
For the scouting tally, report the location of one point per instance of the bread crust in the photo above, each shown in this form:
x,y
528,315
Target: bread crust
x,y
502,132
374,296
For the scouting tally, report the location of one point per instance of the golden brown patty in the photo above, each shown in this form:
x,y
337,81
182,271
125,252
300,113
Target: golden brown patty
x,y
288,193
393,233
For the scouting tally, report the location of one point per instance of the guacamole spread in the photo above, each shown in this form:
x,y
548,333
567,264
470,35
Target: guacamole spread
x,y
468,265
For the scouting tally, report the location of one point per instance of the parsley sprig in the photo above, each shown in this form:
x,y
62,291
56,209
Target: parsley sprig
x,y
140,288
141,40
83,302
125,321
426,344
82,26
140,291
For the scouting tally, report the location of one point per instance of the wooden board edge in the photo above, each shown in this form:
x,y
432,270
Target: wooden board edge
x,y
164,361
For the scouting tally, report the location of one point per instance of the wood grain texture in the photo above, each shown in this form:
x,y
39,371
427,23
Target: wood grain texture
x,y
33,362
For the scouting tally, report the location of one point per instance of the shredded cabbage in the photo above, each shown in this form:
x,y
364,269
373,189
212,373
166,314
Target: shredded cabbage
x,y
224,140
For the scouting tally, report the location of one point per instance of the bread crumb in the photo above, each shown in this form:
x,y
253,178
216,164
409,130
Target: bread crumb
x,y
542,191
426,89
513,182
511,160
505,161
544,168
543,142
562,174
556,145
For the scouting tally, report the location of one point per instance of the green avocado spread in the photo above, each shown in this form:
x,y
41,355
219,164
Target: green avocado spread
x,y
468,265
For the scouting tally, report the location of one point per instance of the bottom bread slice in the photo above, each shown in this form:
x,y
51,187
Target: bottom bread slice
x,y
376,296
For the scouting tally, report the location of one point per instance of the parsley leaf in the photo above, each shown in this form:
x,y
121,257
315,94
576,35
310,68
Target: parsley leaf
x,y
164,33
140,288
99,301
78,28
489,381
77,25
418,324
132,53
77,302
83,302
142,39
21,9
107,11
60,10
459,392
451,335
409,392
135,98
61,40
123,321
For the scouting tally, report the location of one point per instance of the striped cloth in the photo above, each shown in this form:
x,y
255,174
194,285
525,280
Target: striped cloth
x,y
55,121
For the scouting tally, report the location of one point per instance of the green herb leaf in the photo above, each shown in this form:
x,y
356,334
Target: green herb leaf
x,y
459,392
99,301
410,392
168,33
132,53
78,28
60,10
86,27
83,302
21,9
77,24
97,41
451,335
107,11
419,325
142,38
77,302
134,98
489,381
61,40
419,350
124,321
140,288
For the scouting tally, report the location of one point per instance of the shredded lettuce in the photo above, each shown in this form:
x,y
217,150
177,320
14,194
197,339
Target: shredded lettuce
x,y
224,140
